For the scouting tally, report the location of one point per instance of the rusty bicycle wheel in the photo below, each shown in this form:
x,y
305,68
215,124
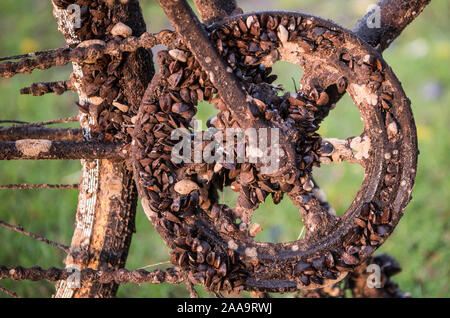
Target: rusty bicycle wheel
x,y
181,199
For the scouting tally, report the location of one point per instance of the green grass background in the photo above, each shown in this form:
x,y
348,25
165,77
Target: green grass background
x,y
420,59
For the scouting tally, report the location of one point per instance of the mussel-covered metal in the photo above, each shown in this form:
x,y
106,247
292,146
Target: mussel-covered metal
x,y
181,199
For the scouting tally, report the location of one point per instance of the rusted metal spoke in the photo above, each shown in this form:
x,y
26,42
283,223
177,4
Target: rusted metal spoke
x,y
155,264
321,197
122,276
38,186
42,123
353,150
41,149
39,89
20,229
32,54
14,133
9,292
317,217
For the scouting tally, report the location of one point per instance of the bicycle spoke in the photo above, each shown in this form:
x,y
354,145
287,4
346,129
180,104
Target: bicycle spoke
x,y
42,123
38,186
20,229
191,289
354,150
41,149
39,89
9,292
32,54
14,133
316,215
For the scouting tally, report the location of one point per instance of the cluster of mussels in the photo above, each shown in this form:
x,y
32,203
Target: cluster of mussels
x,y
182,198
106,78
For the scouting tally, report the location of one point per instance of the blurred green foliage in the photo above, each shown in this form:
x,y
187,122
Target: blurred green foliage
x,y
420,59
